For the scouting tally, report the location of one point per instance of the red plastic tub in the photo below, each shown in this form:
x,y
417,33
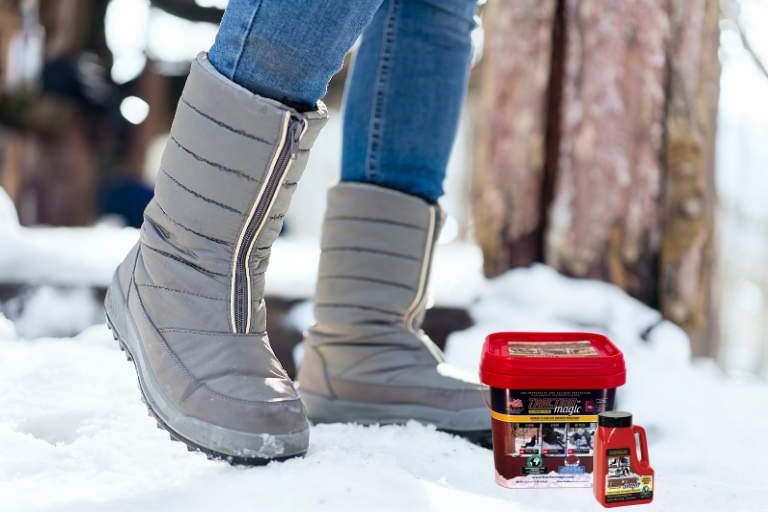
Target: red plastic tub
x,y
546,392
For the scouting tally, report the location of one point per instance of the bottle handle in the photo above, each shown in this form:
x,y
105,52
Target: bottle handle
x,y
636,429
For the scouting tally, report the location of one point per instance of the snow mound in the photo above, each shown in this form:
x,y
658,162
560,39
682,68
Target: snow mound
x,y
53,311
9,218
7,329
540,299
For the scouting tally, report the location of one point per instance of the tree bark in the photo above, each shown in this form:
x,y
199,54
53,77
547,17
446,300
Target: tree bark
x,y
604,220
687,259
510,143
610,160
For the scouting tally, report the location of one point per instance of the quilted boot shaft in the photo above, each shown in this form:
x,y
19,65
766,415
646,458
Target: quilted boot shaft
x,y
193,287
367,346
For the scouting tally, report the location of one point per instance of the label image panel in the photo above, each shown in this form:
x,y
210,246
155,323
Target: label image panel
x,y
527,439
580,438
550,349
553,438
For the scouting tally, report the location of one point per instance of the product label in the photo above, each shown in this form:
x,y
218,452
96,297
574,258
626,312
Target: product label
x,y
622,482
550,349
546,438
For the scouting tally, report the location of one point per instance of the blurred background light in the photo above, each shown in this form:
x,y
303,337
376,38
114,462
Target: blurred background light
x,y
134,109
135,31
125,26
174,39
219,4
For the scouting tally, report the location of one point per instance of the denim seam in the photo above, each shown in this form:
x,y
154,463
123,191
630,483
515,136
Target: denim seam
x,y
246,35
375,130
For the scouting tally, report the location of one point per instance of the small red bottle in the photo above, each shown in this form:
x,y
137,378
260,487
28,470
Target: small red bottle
x,y
620,478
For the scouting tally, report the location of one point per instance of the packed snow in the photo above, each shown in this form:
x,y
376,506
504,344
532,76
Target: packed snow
x,y
76,437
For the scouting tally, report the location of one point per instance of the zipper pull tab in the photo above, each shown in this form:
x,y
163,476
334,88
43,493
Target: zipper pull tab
x,y
297,127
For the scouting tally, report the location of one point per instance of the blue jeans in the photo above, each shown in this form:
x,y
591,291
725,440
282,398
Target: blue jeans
x,y
406,87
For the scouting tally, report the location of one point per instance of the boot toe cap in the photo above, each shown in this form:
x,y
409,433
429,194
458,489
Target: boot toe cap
x,y
231,380
274,417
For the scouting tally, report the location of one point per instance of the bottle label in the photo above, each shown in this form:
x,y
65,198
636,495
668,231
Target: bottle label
x,y
622,481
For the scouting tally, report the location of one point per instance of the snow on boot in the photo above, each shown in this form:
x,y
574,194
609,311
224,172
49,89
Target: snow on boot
x,y
187,303
366,359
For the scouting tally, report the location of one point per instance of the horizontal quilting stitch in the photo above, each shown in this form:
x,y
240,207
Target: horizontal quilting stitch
x,y
199,196
224,125
374,251
177,291
182,226
367,279
212,164
180,260
377,221
221,334
356,306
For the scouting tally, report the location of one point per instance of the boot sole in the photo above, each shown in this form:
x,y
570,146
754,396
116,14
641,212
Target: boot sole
x,y
218,443
465,423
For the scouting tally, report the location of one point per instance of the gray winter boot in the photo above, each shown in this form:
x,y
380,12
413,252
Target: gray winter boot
x,y
366,359
187,303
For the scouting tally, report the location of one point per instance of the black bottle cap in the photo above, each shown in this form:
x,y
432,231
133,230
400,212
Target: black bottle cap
x,y
614,419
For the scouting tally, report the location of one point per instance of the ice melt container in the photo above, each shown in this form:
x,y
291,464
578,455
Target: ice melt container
x,y
546,391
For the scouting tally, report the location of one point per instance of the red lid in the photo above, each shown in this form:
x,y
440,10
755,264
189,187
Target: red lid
x,y
551,360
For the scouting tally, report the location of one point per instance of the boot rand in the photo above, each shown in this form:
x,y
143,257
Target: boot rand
x,y
621,477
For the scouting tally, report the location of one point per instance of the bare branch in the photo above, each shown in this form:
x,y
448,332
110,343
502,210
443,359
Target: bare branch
x,y
731,13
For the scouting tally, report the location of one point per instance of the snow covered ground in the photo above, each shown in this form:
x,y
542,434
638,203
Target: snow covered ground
x,y
74,435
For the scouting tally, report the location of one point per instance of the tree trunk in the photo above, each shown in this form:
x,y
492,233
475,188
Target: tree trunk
x,y
687,254
603,169
509,156
604,220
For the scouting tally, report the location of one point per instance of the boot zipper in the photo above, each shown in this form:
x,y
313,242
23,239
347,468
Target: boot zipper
x,y
240,300
419,302
421,293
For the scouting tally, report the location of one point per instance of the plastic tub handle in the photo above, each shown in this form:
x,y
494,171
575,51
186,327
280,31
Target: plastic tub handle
x,y
482,392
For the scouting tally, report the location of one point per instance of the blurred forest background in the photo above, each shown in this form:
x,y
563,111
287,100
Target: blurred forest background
x,y
614,140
